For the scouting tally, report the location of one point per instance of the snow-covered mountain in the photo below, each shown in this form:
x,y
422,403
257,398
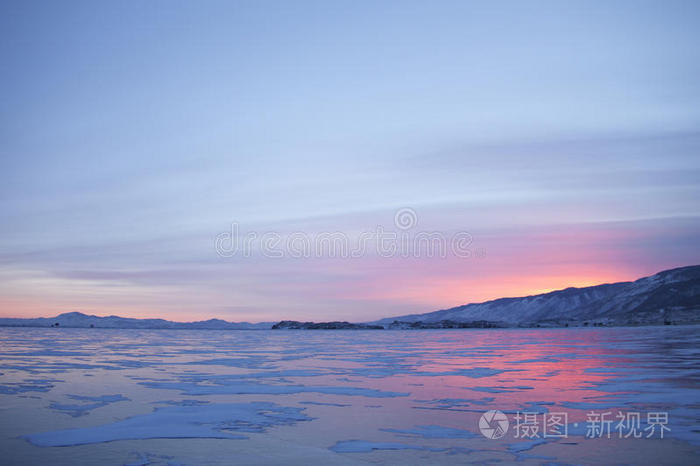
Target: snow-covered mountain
x,y
80,320
671,296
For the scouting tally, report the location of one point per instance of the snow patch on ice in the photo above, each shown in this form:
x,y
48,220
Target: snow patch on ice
x,y
207,421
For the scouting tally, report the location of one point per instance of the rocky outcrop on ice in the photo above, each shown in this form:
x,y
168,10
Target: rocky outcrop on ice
x,y
669,297
294,325
397,324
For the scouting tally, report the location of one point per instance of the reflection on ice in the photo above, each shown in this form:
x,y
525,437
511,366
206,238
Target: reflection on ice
x,y
391,396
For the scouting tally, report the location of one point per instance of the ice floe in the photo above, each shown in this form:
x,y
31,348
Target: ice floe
x,y
206,421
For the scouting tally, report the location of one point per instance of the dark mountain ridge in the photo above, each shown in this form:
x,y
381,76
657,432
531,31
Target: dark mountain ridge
x,y
671,296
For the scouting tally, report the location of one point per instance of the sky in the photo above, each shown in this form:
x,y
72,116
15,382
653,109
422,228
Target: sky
x,y
559,140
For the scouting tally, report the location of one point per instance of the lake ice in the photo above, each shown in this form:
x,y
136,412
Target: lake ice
x,y
98,396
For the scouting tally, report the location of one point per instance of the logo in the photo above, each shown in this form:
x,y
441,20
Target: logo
x,y
493,424
405,219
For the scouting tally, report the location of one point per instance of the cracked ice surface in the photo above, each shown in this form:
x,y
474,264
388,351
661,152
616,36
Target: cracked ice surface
x,y
274,397
208,421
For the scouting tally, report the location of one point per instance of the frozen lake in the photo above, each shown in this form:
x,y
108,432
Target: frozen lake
x,y
94,396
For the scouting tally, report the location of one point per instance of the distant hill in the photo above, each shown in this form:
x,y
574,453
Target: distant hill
x,y
671,296
80,320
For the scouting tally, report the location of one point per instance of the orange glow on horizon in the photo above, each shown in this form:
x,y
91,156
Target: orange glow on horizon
x,y
456,292
391,291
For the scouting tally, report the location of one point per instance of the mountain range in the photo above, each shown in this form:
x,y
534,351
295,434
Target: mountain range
x,y
668,297
671,296
80,320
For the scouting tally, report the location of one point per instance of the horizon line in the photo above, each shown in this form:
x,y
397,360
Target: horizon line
x,y
381,318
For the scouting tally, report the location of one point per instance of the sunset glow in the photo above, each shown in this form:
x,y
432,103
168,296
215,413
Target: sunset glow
x,y
567,162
